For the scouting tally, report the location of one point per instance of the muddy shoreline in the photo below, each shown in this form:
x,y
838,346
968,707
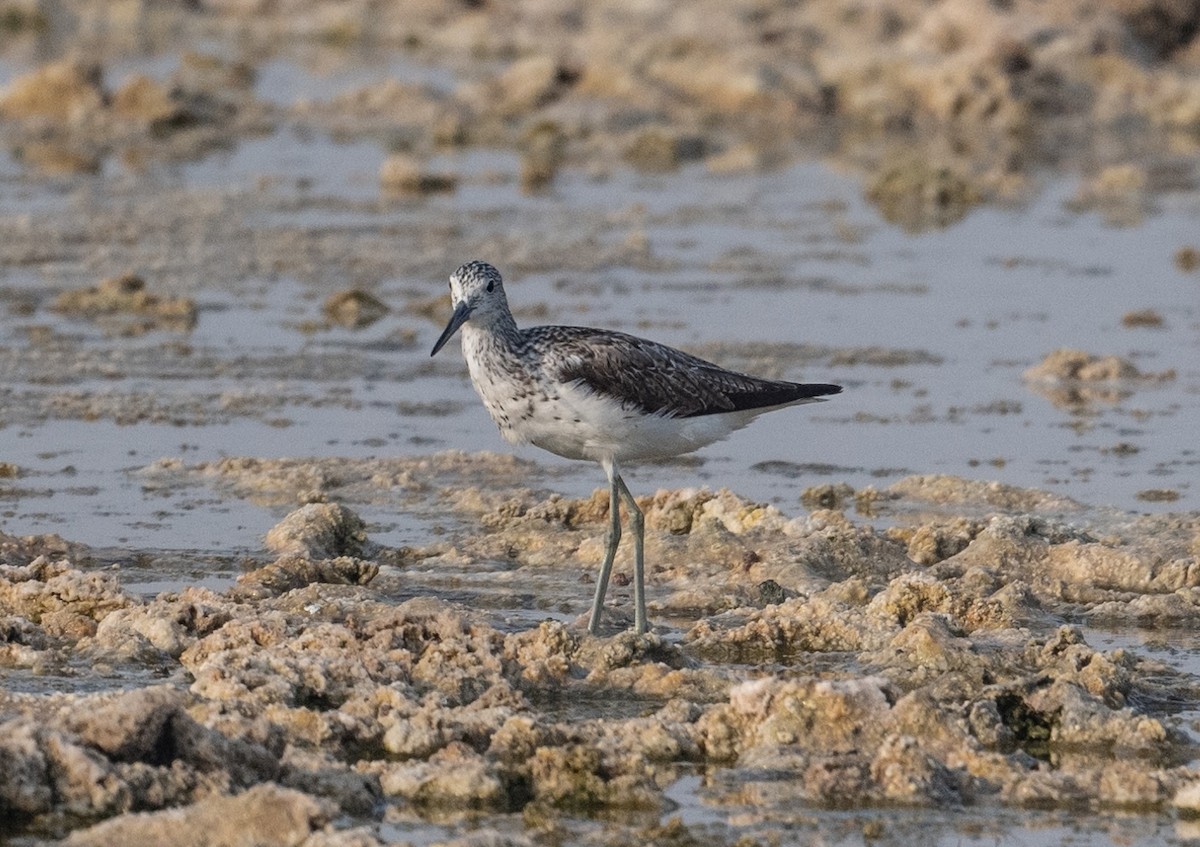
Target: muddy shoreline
x,y
263,574
811,658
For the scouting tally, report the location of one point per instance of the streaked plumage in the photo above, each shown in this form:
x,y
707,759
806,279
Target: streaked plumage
x,y
606,396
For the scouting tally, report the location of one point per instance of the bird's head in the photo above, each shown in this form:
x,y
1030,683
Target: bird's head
x,y
477,292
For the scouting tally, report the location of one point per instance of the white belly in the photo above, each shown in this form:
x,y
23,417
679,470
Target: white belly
x,y
605,430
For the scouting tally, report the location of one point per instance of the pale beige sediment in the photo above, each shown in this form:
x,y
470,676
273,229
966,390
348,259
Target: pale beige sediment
x,y
953,680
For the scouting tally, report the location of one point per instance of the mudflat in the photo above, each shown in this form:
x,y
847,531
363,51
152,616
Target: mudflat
x,y
268,574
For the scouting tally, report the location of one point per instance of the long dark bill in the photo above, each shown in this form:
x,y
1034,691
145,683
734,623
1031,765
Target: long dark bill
x,y
461,313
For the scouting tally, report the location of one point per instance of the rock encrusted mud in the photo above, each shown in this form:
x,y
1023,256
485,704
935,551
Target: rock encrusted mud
x,y
1073,379
124,306
940,659
935,644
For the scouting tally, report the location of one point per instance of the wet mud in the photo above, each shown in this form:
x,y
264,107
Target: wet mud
x,y
263,576
819,659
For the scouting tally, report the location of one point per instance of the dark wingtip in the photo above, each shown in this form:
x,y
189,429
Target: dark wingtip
x,y
772,394
818,389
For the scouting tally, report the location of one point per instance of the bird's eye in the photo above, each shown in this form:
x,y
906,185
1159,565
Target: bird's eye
x,y
491,285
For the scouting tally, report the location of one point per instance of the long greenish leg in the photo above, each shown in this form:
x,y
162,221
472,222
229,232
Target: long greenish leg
x,y
611,541
637,523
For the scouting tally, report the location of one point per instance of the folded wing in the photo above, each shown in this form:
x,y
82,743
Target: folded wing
x,y
653,378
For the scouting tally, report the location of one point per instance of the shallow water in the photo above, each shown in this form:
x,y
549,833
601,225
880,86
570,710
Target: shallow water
x,y
962,828
929,333
707,810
